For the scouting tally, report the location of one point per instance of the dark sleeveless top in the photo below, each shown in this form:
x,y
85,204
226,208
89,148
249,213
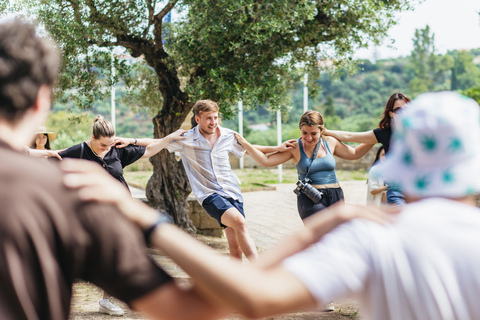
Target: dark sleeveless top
x,y
322,170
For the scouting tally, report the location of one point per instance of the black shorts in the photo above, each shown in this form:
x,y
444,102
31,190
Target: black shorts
x,y
306,207
216,205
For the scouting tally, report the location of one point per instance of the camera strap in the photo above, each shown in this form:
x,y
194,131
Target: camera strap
x,y
314,155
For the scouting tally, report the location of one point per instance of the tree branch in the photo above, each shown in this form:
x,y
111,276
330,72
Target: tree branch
x,y
158,30
151,11
166,10
76,11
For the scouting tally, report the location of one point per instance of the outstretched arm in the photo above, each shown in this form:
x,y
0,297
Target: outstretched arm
x,y
358,137
347,152
317,225
253,290
153,145
285,146
260,157
45,153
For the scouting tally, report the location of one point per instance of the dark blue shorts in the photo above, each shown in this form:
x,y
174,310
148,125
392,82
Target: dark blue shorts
x,y
216,205
306,207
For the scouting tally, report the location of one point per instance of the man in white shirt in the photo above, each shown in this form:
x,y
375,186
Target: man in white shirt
x,y
422,266
205,155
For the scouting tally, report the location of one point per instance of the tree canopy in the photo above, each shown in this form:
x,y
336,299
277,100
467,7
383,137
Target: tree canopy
x,y
225,50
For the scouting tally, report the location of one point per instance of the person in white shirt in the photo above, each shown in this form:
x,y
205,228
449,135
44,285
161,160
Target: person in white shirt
x,y
205,155
424,265
376,187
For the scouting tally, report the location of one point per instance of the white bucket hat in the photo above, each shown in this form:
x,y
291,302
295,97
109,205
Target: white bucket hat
x,y
435,147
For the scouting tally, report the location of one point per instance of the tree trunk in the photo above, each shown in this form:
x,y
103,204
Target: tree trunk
x,y
169,188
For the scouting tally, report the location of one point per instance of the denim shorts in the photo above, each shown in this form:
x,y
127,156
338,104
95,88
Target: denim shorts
x,y
395,197
216,205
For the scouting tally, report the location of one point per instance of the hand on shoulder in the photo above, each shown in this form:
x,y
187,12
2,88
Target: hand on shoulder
x,y
178,135
240,139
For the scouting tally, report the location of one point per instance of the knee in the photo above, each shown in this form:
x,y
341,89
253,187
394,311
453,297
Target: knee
x,y
239,223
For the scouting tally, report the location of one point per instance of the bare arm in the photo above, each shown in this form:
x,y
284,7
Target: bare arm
x,y
169,301
249,289
123,142
358,137
45,153
317,225
153,146
289,144
347,152
378,190
243,288
260,157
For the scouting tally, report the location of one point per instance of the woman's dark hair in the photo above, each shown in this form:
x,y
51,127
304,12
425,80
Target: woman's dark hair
x,y
34,143
377,157
386,119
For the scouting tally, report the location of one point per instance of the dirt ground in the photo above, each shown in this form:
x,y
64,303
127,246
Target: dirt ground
x,y
86,295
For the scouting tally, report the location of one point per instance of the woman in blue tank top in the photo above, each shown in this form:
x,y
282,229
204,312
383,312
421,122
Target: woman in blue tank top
x,y
322,168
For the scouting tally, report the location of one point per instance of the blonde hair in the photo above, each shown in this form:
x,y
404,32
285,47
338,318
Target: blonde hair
x,y
205,106
312,119
102,128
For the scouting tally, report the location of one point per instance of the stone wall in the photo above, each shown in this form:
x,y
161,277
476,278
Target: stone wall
x,y
205,224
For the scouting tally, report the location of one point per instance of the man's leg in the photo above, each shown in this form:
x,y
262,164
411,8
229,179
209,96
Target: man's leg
x,y
233,245
234,219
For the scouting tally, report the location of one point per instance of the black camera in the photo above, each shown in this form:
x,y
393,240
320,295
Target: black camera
x,y
304,186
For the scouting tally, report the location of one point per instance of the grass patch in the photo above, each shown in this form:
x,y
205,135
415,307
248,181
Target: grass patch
x,y
250,178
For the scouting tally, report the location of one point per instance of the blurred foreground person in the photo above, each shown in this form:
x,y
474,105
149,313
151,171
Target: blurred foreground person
x,y
48,236
422,266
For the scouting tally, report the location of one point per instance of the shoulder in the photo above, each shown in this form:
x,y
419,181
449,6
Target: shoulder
x,y
73,150
382,132
227,132
331,140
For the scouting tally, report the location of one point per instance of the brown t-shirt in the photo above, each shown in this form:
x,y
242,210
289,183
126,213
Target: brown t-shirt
x,y
48,238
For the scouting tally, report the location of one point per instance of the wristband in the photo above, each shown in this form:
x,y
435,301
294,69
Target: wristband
x,y
163,218
135,142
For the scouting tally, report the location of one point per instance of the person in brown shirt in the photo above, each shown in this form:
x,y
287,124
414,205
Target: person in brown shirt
x,y
48,236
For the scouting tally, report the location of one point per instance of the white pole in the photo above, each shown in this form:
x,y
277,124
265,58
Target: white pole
x,y
305,93
112,96
279,141
240,125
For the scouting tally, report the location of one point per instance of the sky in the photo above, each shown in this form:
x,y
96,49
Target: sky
x,y
455,23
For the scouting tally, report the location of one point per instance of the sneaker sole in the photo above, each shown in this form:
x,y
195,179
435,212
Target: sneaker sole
x,y
110,313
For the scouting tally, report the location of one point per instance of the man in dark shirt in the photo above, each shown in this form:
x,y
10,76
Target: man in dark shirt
x,y
48,235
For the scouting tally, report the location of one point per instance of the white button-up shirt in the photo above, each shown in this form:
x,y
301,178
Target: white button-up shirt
x,y
208,168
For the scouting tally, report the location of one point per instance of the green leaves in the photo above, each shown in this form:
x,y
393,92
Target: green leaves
x,y
227,50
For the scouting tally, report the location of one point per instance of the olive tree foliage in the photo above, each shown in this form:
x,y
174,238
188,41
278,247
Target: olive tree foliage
x,y
225,50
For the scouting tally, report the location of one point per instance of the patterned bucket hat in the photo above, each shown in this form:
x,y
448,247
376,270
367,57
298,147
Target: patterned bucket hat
x,y
435,147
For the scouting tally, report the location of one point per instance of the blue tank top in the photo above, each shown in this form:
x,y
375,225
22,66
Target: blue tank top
x,y
322,170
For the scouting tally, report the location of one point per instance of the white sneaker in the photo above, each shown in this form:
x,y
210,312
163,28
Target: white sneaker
x,y
109,307
329,307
